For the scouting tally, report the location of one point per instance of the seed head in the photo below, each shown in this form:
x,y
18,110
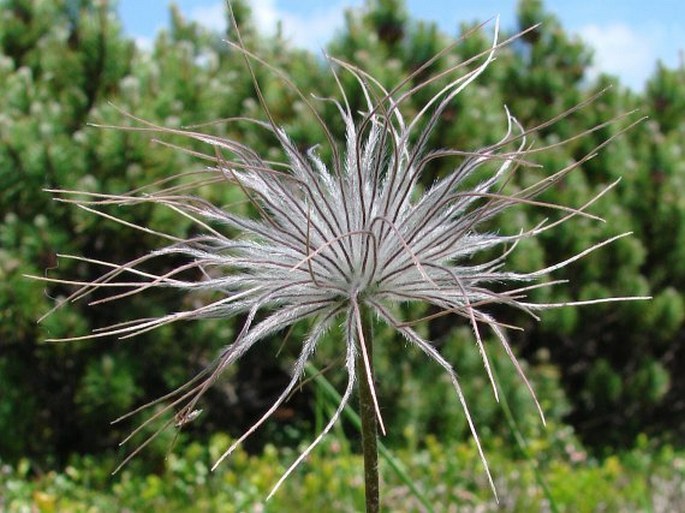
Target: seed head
x,y
333,239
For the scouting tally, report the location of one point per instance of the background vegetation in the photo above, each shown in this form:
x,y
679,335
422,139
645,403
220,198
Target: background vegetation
x,y
611,378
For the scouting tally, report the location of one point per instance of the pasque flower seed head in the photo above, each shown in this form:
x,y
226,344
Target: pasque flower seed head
x,y
339,239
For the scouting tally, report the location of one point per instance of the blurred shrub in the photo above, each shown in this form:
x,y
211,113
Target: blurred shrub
x,y
449,475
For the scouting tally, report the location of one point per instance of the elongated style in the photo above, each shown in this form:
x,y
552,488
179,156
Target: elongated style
x,y
339,241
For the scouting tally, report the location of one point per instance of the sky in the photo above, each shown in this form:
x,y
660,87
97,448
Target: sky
x,y
628,36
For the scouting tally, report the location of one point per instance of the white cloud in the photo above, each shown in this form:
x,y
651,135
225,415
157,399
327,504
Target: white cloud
x,y
211,16
265,15
144,43
311,31
314,30
623,51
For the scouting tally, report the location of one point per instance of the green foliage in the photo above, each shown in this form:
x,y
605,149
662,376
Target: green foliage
x,y
414,387
58,59
641,480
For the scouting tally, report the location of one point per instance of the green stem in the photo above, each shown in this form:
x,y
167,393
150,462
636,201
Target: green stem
x,y
350,414
523,446
367,412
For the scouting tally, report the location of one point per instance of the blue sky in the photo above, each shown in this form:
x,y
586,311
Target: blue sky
x,y
628,36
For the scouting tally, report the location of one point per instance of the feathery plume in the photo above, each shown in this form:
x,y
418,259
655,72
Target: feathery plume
x,y
338,240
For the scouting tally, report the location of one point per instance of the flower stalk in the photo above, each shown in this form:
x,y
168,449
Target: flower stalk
x,y
367,413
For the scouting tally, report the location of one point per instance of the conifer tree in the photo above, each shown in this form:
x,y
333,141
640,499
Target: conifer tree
x,y
58,59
